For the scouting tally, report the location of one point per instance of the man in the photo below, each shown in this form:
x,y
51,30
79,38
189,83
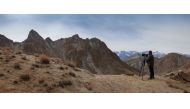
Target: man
x,y
150,62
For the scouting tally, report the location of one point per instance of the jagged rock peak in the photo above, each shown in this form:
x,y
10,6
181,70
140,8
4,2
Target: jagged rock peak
x,y
48,39
34,35
2,36
5,42
95,39
76,36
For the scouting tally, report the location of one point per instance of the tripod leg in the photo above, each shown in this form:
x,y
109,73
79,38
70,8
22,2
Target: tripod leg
x,y
142,72
141,69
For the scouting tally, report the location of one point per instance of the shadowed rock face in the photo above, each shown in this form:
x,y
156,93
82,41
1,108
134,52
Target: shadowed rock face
x,y
36,44
5,42
91,54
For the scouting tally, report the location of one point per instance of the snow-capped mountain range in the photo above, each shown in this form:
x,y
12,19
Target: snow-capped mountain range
x,y
126,55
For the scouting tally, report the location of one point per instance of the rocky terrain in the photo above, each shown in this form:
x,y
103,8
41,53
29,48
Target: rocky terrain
x,y
82,65
20,72
91,54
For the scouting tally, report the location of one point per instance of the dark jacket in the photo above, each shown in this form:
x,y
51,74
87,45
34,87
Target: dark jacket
x,y
150,61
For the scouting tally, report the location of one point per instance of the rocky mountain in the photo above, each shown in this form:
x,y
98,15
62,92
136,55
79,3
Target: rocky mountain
x,y
23,73
128,55
91,54
5,42
36,44
172,62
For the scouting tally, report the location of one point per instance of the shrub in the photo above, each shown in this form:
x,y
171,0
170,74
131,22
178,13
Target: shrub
x,y
76,69
41,81
66,68
7,60
19,52
71,65
35,65
47,72
45,85
44,59
32,68
25,77
15,82
1,75
61,68
17,66
72,74
64,83
23,58
13,56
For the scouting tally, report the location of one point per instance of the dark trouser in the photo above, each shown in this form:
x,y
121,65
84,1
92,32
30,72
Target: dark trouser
x,y
151,70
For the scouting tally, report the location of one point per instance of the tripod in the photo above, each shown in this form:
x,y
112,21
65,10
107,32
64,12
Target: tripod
x,y
142,67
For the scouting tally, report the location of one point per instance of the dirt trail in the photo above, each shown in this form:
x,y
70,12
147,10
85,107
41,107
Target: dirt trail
x,y
124,83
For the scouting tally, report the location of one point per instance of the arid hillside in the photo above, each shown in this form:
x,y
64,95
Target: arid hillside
x,y
20,72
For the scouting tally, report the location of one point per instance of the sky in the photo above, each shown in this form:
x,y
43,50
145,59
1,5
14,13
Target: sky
x,y
131,32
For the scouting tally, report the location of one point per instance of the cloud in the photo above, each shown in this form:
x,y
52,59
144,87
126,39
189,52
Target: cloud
x,y
165,33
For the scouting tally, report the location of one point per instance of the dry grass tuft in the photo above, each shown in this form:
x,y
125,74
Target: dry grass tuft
x,y
70,64
77,69
44,59
64,83
35,65
17,66
24,58
61,68
19,52
13,56
41,81
25,77
72,74
1,75
15,82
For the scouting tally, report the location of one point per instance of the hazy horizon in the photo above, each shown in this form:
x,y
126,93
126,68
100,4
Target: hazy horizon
x,y
164,33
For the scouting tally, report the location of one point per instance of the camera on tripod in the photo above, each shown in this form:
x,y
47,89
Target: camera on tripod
x,y
145,55
143,64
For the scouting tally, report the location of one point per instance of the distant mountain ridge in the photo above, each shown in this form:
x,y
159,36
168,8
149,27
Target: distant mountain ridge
x,y
128,55
91,54
169,63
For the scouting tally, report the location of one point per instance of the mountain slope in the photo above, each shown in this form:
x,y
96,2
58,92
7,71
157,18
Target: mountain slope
x,y
91,54
5,42
21,73
171,62
36,44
